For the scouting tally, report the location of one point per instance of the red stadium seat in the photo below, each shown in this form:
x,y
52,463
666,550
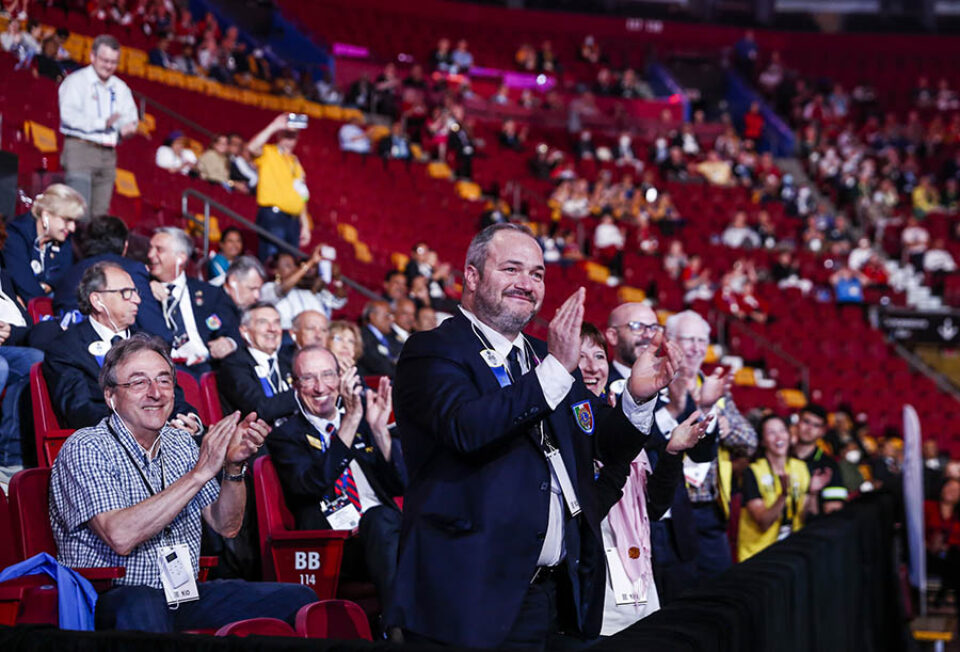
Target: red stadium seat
x,y
50,444
210,398
309,557
337,619
191,393
40,307
44,418
257,627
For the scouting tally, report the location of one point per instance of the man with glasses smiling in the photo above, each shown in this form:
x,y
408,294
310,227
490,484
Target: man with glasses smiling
x,y
630,328
331,462
109,298
131,491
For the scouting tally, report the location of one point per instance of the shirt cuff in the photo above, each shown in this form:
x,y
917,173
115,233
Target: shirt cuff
x,y
555,381
665,421
640,415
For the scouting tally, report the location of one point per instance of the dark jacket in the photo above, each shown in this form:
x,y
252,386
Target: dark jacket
x,y
19,252
378,359
241,388
213,313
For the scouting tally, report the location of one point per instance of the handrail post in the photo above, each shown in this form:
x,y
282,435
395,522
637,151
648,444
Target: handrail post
x,y
206,229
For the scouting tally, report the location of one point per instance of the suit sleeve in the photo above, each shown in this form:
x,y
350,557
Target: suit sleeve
x,y
16,258
438,395
77,401
242,389
662,484
308,475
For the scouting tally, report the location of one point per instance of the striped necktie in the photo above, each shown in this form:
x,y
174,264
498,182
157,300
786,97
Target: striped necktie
x,y
345,484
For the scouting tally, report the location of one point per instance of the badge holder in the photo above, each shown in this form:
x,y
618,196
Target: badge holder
x,y
176,575
341,513
625,591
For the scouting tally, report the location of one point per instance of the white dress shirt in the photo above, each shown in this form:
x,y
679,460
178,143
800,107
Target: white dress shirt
x,y
106,333
194,350
299,300
368,497
556,383
86,103
265,364
9,311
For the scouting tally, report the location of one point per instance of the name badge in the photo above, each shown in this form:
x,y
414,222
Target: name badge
x,y
98,350
695,472
625,591
36,267
341,514
491,358
176,574
300,187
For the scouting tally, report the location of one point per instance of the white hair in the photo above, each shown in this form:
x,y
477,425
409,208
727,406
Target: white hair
x,y
674,321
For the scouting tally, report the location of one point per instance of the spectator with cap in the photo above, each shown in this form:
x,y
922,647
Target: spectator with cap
x,y
97,111
300,287
282,191
39,250
119,498
381,348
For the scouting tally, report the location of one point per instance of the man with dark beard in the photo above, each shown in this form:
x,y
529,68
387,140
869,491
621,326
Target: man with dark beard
x,y
500,544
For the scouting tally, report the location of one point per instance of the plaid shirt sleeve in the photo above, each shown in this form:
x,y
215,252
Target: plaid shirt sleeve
x,y
209,493
88,483
741,439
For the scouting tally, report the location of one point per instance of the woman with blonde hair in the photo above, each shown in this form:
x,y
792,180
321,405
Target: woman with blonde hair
x,y
346,344
38,251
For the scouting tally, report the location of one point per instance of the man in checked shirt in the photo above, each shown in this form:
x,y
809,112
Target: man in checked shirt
x,y
708,483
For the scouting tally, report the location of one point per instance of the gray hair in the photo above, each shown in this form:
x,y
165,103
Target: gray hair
x,y
248,313
477,251
673,322
370,307
122,350
295,361
94,280
243,265
181,241
105,40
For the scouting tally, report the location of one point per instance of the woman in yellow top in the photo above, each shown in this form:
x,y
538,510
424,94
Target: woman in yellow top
x,y
775,491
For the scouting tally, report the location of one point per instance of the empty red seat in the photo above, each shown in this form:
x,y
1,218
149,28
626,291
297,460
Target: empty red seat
x,y
257,627
337,619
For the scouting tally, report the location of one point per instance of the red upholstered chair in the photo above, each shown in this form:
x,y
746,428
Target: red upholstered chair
x,y
191,393
210,398
309,557
50,444
333,619
40,307
44,418
257,627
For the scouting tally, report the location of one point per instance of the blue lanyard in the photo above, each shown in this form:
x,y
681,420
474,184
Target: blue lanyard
x,y
113,99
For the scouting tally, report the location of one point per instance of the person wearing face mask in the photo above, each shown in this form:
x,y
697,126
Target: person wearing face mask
x,y
778,491
647,496
38,250
109,299
337,460
197,320
257,377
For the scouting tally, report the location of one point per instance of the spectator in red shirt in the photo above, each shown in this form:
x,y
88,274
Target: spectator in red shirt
x,y
753,123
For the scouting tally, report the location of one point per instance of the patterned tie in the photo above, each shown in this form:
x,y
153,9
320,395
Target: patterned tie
x,y
171,312
275,375
345,484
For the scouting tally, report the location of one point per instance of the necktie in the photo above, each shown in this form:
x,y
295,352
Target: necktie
x,y
345,484
115,339
513,360
274,375
171,313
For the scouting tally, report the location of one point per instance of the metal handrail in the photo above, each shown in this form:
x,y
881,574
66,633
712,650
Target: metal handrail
x,y
918,365
145,100
209,202
776,349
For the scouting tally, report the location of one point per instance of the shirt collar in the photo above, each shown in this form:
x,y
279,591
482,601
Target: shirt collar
x,y
622,369
260,357
319,423
105,333
95,78
499,343
126,438
402,333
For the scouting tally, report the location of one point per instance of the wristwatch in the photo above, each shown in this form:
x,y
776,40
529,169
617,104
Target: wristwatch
x,y
238,477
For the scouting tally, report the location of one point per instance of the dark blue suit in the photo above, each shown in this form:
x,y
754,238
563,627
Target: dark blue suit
x,y
477,503
65,290
19,251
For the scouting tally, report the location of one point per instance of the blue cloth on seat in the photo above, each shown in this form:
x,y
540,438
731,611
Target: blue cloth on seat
x,y
76,597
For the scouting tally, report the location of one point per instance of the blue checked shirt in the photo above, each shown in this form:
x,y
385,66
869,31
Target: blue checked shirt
x,y
92,475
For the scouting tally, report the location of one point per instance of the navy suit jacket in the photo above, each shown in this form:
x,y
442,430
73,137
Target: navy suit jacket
x,y
19,251
308,474
72,374
241,389
374,362
476,508
65,291
208,302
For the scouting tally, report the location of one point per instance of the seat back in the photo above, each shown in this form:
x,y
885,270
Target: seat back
x,y
210,397
39,308
257,627
308,557
191,393
44,418
8,547
333,619
51,444
30,513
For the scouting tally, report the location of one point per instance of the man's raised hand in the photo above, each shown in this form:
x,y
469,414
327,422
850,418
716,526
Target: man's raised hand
x,y
563,338
652,372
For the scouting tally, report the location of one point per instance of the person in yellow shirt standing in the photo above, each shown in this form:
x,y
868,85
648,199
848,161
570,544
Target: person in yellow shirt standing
x,y
282,191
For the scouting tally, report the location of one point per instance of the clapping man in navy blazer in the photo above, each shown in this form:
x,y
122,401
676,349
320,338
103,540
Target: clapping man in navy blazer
x,y
336,466
500,544
197,322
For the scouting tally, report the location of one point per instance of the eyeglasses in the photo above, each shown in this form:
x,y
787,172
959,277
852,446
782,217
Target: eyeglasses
x,y
813,423
328,376
140,385
703,341
640,327
125,293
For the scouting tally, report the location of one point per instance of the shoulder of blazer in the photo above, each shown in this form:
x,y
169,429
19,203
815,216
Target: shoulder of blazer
x,y
448,339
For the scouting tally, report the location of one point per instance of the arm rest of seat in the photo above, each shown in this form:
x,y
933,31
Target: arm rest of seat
x,y
306,536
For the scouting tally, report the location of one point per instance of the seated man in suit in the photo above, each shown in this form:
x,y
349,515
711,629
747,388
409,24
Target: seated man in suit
x,y
197,322
381,348
257,377
332,461
310,327
242,284
109,299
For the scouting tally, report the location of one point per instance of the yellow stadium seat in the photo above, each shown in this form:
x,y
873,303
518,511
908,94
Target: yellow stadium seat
x,y
439,170
468,190
596,272
126,184
713,355
745,377
362,252
43,138
662,316
792,398
399,260
627,294
348,232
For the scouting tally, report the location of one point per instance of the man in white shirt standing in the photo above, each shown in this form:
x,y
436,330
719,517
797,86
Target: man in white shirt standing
x,y
96,111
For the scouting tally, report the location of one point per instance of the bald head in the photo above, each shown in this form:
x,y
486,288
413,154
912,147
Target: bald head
x,y
630,329
310,327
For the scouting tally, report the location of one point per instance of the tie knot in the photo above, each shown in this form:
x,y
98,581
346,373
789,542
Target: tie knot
x,y
171,287
115,339
330,428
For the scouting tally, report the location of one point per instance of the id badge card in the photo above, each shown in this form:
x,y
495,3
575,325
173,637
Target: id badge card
x,y
341,514
300,186
695,473
624,590
566,487
176,574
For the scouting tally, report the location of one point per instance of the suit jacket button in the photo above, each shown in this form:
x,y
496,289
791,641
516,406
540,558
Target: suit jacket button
x,y
544,486
541,536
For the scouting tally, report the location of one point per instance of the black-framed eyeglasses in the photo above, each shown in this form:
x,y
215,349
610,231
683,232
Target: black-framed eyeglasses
x,y
640,327
125,293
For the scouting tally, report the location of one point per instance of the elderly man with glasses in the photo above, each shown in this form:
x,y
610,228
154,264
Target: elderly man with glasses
x,y
338,463
110,300
131,490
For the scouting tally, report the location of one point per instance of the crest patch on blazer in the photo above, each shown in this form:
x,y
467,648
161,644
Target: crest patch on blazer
x,y
584,416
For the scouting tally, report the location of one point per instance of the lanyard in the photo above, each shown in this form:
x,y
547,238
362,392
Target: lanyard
x,y
172,304
146,483
113,99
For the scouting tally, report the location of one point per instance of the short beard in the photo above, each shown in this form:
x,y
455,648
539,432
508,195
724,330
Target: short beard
x,y
500,320
627,351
